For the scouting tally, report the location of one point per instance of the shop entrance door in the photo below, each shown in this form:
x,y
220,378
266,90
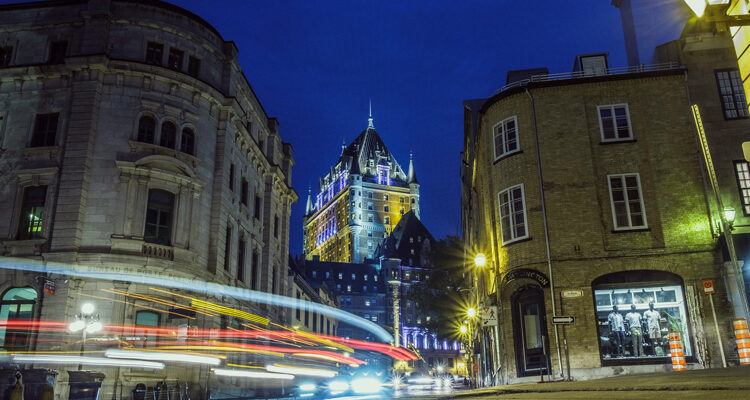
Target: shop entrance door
x,y
530,332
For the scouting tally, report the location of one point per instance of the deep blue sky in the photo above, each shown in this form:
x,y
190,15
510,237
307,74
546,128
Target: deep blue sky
x,y
315,64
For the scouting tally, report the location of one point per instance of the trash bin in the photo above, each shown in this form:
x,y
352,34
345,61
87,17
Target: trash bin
x,y
84,385
38,383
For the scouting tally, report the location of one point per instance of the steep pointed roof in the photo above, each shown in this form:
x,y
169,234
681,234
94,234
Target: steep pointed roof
x,y
412,176
408,234
309,208
367,146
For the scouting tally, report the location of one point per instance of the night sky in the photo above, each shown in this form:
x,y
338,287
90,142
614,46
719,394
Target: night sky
x,y
315,64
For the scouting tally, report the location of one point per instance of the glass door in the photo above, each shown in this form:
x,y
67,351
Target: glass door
x,y
530,331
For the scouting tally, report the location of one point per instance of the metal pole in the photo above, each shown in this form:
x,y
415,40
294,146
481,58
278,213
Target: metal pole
x,y
498,366
83,343
718,334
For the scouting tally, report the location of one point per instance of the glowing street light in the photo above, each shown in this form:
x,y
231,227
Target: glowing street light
x,y
463,329
729,214
471,312
480,260
85,322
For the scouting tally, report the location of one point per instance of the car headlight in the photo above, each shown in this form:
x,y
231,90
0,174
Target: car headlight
x,y
366,385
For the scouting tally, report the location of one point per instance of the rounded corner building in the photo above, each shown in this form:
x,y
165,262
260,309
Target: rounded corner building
x,y
131,142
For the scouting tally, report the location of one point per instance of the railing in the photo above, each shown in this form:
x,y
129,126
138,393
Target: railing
x,y
158,251
588,74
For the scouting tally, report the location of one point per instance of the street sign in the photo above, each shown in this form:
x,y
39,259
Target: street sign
x,y
563,320
567,294
708,287
488,315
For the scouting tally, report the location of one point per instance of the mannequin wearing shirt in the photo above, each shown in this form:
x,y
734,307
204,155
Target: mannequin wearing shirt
x,y
633,319
617,328
653,326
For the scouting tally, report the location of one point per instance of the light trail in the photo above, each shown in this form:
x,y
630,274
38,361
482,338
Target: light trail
x,y
209,288
251,374
162,356
104,362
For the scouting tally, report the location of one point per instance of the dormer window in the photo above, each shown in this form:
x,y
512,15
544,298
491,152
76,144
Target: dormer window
x,y
592,65
384,175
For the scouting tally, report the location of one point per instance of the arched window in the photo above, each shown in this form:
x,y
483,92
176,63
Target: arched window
x,y
168,135
17,304
159,217
187,145
146,129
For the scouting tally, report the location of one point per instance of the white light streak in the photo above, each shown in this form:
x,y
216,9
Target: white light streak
x,y
251,374
162,356
195,285
104,362
324,373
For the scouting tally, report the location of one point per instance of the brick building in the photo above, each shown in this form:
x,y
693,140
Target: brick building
x,y
588,192
130,140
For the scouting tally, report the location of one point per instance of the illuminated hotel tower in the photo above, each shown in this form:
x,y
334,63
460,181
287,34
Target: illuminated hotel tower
x,y
359,201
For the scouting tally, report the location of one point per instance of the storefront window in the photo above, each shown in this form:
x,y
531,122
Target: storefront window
x,y
634,320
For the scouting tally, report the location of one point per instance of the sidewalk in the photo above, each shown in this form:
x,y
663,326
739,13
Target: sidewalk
x,y
720,383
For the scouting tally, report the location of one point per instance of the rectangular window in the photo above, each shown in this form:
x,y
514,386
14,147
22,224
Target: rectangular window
x,y
634,321
194,66
154,52
513,214
328,274
174,60
743,180
348,288
276,226
45,130
144,319
386,208
254,270
341,276
243,193
614,122
299,304
505,137
57,51
627,202
354,277
231,177
32,212
5,53
315,322
227,247
158,227
241,260
257,208
732,94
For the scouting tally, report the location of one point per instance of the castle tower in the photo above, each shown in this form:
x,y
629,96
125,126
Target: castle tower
x,y
359,201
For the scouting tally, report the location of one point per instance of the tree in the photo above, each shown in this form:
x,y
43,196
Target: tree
x,y
443,296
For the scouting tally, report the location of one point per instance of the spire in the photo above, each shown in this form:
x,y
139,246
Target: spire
x,y
369,120
412,175
343,145
309,209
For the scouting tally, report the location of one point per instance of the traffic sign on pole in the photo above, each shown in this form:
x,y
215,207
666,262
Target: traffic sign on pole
x,y
563,320
708,287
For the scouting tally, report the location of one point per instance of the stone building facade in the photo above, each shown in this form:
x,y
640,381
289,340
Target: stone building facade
x,y
131,140
621,218
359,201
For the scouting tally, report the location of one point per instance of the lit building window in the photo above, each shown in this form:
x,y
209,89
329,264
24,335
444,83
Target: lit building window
x,y
505,137
17,304
354,277
627,202
365,277
614,122
385,197
743,180
512,214
348,288
341,276
732,94
32,212
367,303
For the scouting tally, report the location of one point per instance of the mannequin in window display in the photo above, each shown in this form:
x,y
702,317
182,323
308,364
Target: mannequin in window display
x,y
653,326
633,319
617,330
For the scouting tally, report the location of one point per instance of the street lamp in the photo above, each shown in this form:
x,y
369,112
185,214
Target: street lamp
x,y
463,329
85,322
729,215
480,260
471,312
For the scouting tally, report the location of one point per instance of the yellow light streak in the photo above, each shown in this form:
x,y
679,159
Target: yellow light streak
x,y
244,366
205,305
223,348
135,305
